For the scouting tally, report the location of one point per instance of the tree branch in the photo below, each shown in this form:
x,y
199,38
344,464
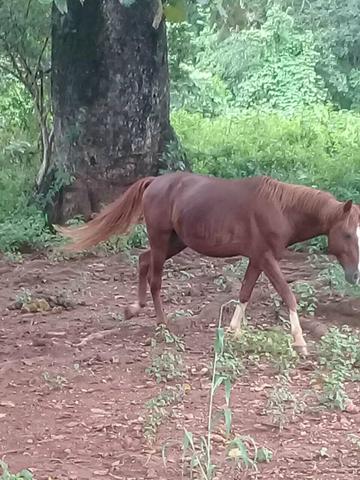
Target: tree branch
x,y
158,15
28,9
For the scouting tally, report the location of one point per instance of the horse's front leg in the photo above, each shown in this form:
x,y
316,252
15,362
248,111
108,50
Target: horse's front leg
x,y
273,272
250,278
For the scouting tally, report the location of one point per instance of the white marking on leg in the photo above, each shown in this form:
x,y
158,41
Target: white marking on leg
x,y
296,330
238,317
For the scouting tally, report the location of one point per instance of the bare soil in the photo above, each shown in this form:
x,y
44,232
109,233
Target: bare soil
x,y
73,404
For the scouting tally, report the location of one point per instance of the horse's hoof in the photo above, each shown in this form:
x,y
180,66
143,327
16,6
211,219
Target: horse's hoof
x,y
301,350
236,333
131,311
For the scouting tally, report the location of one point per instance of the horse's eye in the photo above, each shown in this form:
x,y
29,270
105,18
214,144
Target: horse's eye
x,y
347,236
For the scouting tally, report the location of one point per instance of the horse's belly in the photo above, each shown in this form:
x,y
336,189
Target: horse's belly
x,y
226,250
217,243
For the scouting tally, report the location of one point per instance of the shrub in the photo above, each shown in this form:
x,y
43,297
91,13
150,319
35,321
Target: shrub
x,y
317,147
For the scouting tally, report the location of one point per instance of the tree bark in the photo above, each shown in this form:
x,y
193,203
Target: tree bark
x,y
110,91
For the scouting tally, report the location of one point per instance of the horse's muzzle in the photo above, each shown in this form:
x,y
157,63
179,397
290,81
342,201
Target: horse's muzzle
x,y
352,277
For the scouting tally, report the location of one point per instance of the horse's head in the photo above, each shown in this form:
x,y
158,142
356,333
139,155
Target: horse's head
x,y
344,241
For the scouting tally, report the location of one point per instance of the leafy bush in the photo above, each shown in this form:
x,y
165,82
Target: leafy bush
x,y
23,225
25,230
273,67
317,146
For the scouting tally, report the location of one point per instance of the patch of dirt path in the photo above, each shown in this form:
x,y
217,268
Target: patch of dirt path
x,y
74,409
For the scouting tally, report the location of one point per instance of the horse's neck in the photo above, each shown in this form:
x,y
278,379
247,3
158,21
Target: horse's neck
x,y
309,223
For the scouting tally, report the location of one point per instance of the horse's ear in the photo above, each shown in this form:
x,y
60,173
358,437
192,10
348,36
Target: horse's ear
x,y
347,206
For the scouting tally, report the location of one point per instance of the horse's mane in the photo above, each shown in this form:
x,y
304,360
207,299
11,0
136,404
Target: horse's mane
x,y
322,204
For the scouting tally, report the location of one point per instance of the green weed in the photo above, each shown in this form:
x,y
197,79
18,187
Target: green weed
x,y
273,345
7,475
163,334
283,406
158,412
237,269
333,278
166,367
339,358
198,453
54,381
306,298
245,454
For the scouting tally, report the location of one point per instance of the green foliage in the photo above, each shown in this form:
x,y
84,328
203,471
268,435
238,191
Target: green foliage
x,y
245,454
268,74
283,405
168,364
157,411
7,475
306,298
166,367
339,356
273,67
198,452
337,39
317,147
25,231
16,107
273,345
25,26
333,277
23,225
279,54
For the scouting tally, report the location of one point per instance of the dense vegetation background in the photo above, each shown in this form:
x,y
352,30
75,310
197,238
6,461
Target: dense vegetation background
x,y
257,87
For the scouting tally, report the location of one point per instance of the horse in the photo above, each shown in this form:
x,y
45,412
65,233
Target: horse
x,y
255,217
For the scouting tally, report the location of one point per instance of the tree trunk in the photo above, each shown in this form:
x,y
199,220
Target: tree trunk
x,y
110,91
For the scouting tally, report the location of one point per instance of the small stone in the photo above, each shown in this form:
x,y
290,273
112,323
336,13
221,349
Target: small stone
x,y
351,407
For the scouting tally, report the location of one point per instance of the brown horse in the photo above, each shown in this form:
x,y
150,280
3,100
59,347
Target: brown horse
x,y
255,217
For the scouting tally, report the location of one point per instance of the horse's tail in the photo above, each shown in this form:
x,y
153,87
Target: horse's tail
x,y
116,218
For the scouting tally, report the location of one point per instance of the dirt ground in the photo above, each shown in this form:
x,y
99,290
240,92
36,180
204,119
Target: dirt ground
x,y
74,406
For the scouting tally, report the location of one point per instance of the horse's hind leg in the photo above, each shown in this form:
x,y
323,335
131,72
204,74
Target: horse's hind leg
x,y
250,278
149,268
163,248
143,270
